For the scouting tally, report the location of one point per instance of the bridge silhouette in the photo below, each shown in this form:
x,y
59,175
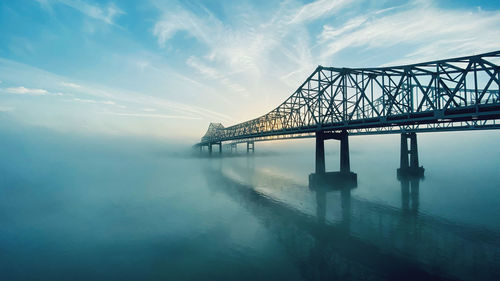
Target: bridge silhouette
x,y
455,94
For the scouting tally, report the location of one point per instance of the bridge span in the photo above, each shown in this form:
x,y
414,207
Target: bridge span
x,y
455,94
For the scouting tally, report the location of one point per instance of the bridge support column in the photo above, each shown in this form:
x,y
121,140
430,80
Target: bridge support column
x,y
345,166
320,153
210,149
220,147
413,151
250,146
409,166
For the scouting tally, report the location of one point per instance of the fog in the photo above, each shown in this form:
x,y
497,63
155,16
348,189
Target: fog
x,y
108,207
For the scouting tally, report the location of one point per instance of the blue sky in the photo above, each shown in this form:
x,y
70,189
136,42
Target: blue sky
x,y
168,68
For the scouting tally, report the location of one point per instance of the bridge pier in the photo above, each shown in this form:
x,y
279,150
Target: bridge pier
x,y
320,153
250,146
345,166
409,166
345,174
210,149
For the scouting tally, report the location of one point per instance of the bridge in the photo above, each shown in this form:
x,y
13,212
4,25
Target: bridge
x,y
455,94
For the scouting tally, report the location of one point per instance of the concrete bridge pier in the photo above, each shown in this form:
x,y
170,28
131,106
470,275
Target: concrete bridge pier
x,y
250,146
210,149
345,173
343,137
409,167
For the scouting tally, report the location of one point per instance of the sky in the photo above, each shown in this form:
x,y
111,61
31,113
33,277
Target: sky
x,y
168,68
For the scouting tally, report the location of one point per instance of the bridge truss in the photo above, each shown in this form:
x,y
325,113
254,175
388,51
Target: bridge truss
x,y
446,95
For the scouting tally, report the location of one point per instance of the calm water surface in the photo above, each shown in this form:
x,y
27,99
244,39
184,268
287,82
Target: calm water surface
x,y
76,208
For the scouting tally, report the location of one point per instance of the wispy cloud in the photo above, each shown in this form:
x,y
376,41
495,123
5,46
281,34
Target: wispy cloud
x,y
107,14
21,90
236,49
146,115
108,102
26,91
426,32
318,9
71,85
246,48
193,110
89,93
214,74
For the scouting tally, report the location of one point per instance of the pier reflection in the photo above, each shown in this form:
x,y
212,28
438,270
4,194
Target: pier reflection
x,y
410,189
323,186
366,240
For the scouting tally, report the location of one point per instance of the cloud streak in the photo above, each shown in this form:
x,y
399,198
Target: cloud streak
x,y
318,9
108,102
26,91
427,32
246,48
91,94
150,115
107,14
71,85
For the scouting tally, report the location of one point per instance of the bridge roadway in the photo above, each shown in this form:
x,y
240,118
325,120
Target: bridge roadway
x,y
447,95
365,240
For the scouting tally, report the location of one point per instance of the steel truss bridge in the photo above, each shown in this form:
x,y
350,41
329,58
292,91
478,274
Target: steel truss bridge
x,y
446,95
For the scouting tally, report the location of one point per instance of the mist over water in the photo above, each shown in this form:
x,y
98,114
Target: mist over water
x,y
116,208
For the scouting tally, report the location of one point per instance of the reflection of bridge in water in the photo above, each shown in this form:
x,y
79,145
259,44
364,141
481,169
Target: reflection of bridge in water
x,y
448,95
369,240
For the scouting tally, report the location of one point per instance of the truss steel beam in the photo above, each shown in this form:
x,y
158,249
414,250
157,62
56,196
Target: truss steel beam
x,y
445,95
